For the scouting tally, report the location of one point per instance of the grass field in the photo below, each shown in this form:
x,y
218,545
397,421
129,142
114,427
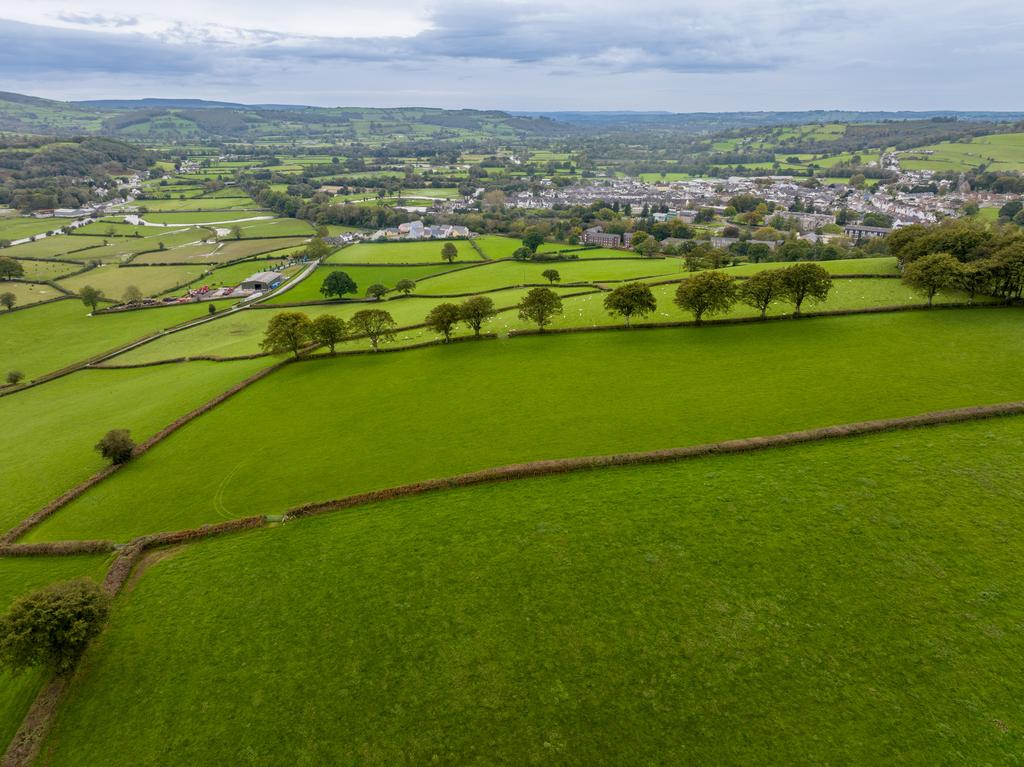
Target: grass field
x,y
421,252
364,276
18,577
63,246
112,228
999,152
699,385
19,227
852,602
52,428
151,280
220,252
507,273
26,293
200,204
47,338
278,227
47,270
193,217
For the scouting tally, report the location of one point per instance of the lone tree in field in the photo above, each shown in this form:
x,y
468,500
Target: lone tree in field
x,y
449,252
443,318
116,446
90,296
803,281
634,299
337,284
328,330
8,300
51,627
476,311
376,324
14,377
551,275
706,294
931,274
9,268
376,290
760,290
405,286
539,306
287,332
132,295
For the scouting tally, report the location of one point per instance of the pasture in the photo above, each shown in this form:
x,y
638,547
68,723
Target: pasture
x,y
26,293
151,280
20,227
415,252
221,252
47,338
47,270
700,385
194,217
52,428
75,248
364,276
827,603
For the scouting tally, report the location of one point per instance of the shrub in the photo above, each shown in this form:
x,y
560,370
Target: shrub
x,y
52,626
116,446
15,377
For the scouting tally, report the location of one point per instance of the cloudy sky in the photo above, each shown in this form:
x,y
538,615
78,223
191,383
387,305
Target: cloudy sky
x,y
674,55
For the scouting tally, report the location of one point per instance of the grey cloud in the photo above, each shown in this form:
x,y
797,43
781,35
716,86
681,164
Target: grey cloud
x,y
98,20
32,49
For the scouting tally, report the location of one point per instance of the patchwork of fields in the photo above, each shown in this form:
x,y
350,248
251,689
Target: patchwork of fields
x,y
835,602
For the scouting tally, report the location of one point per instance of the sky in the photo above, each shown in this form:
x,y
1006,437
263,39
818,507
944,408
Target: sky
x,y
664,55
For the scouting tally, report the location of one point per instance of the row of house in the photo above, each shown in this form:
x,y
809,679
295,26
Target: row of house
x,y
417,230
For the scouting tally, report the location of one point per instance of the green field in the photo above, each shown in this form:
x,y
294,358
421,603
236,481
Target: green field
x,y
151,280
221,252
822,604
278,227
47,338
26,293
418,252
1003,151
364,276
699,385
200,204
63,246
19,227
47,270
52,428
192,217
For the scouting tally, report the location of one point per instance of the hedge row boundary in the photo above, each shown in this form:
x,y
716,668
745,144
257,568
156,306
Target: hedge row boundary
x,y
727,447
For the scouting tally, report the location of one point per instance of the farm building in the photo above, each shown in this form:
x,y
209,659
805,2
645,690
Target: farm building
x,y
262,281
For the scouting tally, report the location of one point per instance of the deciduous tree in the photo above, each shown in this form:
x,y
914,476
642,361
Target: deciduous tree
x,y
405,286
14,377
443,318
8,300
328,330
376,290
116,446
476,311
449,252
634,299
376,324
337,284
90,296
539,306
803,281
760,290
931,274
9,268
551,275
287,332
51,627
132,295
706,294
